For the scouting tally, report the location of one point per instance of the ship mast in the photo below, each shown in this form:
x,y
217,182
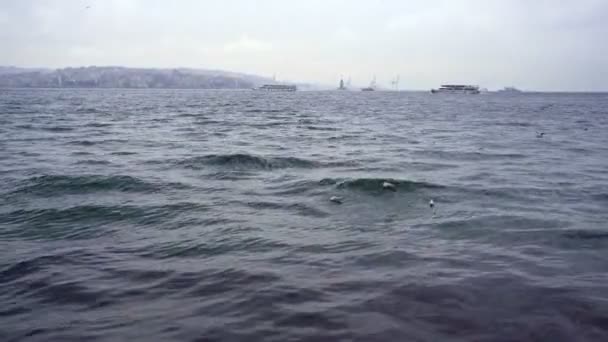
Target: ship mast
x,y
395,83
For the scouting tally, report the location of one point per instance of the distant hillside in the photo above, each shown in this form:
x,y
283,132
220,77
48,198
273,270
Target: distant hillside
x,y
4,70
121,77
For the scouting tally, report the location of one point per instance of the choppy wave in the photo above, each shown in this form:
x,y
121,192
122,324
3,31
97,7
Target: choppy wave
x,y
81,153
98,124
247,161
58,129
69,223
88,221
601,197
376,184
83,142
469,156
321,128
93,162
26,126
193,249
514,124
57,185
587,234
87,110
207,215
297,208
123,153
265,110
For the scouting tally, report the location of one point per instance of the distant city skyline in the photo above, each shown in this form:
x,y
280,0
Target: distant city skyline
x,y
540,45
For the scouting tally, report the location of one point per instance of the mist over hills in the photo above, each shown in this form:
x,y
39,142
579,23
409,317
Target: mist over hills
x,y
124,77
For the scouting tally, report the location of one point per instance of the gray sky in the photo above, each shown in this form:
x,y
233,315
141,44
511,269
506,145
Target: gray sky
x,y
532,44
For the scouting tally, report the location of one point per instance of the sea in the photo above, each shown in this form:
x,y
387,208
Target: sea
x,y
203,215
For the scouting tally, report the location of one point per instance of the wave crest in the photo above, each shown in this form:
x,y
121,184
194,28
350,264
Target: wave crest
x,y
375,184
247,161
53,185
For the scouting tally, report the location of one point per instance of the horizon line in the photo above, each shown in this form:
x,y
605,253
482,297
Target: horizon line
x,y
317,83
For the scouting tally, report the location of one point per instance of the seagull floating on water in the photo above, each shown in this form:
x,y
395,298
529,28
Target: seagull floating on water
x,y
336,199
389,186
432,204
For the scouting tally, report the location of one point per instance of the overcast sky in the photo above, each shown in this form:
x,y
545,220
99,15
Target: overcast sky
x,y
532,44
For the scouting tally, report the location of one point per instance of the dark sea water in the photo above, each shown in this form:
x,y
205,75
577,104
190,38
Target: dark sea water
x,y
140,215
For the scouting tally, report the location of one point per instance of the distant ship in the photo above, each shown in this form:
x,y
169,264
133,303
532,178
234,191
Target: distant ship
x,y
277,87
372,85
456,89
342,87
509,90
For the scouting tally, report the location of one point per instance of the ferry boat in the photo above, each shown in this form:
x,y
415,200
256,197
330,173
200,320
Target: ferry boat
x,y
509,90
456,89
277,87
